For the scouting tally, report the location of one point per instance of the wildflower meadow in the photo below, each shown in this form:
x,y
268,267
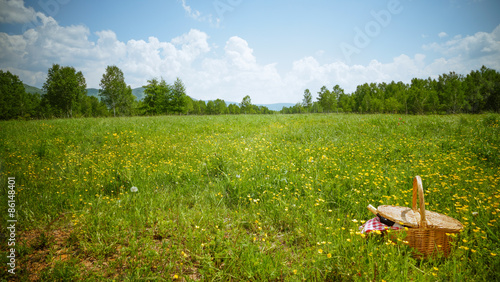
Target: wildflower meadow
x,y
246,197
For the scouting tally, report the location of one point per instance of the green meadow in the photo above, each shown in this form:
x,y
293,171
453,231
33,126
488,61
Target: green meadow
x,y
247,197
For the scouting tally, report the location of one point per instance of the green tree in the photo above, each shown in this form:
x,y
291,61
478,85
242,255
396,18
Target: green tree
x,y
377,105
177,101
362,98
451,93
325,99
189,106
203,107
491,88
377,94
345,103
336,93
307,100
156,96
211,108
92,107
128,103
265,110
114,92
254,109
64,90
14,101
366,104
479,87
220,107
473,89
432,105
246,105
233,109
316,108
399,92
30,105
392,105
421,95
299,108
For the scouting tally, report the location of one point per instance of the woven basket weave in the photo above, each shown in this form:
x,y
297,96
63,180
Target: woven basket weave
x,y
427,232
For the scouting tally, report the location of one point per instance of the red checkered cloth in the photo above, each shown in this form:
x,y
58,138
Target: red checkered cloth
x,y
375,224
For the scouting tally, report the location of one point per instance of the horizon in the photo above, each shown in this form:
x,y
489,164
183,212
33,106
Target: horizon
x,y
269,51
269,106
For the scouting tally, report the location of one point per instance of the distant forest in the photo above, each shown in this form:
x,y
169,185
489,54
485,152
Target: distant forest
x,y
65,95
452,93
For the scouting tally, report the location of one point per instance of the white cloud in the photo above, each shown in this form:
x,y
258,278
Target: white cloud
x,y
198,16
192,45
14,11
308,72
235,75
442,34
47,43
34,52
460,54
472,51
194,14
239,54
230,74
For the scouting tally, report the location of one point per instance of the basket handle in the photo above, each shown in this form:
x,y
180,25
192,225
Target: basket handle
x,y
417,188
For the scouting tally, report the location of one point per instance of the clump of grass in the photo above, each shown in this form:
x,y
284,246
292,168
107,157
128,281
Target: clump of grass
x,y
62,271
41,242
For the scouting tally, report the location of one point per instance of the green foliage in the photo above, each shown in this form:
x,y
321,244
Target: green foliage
x,y
233,109
178,101
210,108
246,105
92,107
189,107
64,90
202,107
307,100
337,92
452,93
162,98
419,95
325,99
155,96
115,93
15,102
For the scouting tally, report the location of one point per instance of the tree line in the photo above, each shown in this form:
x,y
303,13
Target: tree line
x,y
65,95
478,91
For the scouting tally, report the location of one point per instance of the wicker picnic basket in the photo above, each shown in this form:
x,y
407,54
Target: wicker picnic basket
x,y
427,232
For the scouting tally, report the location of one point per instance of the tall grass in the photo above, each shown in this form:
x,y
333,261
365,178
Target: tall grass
x,y
248,197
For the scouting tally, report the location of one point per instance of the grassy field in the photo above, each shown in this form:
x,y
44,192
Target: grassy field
x,y
258,198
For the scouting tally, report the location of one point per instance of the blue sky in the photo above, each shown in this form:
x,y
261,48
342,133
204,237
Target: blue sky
x,y
270,50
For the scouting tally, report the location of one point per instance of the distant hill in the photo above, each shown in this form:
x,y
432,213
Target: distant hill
x,y
277,106
93,92
272,107
139,93
32,89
